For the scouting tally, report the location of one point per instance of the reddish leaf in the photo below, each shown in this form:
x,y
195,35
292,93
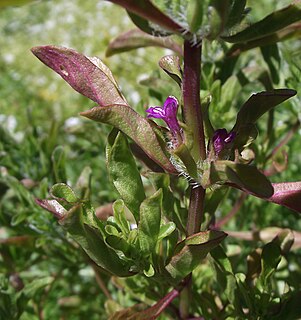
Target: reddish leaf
x,y
148,11
287,194
136,38
88,76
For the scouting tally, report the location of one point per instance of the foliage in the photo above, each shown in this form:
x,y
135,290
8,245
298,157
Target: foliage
x,y
192,217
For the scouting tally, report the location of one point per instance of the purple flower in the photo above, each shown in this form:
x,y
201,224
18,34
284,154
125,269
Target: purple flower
x,y
168,113
221,139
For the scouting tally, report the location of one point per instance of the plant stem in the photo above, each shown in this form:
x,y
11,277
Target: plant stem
x,y
194,122
196,211
191,98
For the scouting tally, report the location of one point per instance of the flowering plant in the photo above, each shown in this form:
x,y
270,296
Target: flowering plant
x,y
173,231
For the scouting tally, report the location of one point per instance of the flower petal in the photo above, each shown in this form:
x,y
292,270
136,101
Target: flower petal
x,y
155,112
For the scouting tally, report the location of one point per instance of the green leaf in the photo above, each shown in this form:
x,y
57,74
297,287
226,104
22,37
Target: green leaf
x,y
124,174
61,191
89,76
259,103
218,16
149,224
236,12
271,56
290,32
166,229
89,233
195,11
136,127
135,39
190,252
119,214
171,65
269,25
225,277
270,258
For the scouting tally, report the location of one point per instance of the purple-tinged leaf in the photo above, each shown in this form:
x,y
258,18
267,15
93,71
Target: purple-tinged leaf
x,y
137,128
191,251
242,176
287,194
135,39
272,23
148,11
152,313
88,76
52,206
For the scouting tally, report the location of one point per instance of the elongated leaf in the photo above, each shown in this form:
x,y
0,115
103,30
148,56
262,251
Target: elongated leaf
x,y
242,176
87,231
148,11
149,224
259,103
135,39
88,76
134,126
191,251
292,31
125,175
269,25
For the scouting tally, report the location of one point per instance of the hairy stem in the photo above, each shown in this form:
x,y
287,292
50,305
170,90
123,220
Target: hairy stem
x,y
193,119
